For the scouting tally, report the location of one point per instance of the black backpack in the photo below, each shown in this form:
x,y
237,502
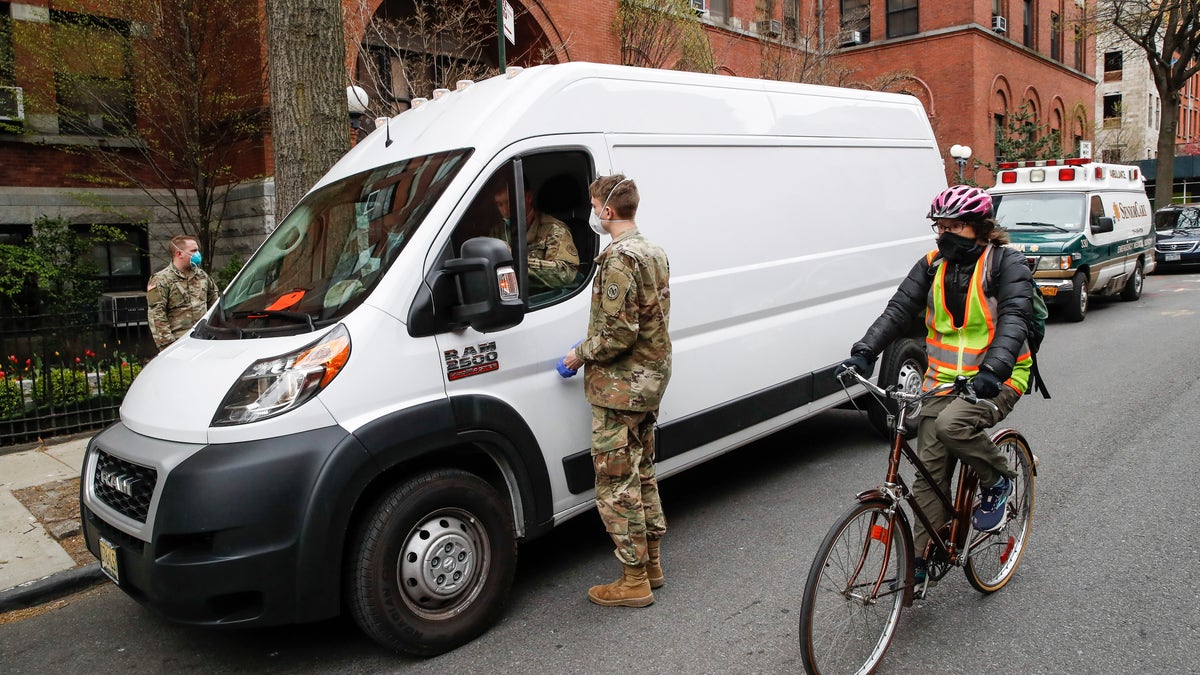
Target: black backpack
x,y
1035,324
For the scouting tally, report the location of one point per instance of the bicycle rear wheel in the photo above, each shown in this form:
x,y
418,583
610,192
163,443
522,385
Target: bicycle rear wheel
x,y
850,610
994,557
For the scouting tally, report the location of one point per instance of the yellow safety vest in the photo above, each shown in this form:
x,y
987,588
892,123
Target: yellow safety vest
x,y
959,350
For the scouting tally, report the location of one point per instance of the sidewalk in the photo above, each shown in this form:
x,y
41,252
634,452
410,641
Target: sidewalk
x,y
31,557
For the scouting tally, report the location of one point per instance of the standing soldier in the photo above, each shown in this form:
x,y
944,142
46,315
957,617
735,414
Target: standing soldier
x,y
179,294
628,357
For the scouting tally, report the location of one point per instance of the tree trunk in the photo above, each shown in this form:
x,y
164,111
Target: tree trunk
x,y
1164,176
306,55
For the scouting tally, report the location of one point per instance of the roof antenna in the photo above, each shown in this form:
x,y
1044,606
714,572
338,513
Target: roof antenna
x,y
387,130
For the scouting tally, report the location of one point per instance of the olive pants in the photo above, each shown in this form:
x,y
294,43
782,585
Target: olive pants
x,y
950,430
626,487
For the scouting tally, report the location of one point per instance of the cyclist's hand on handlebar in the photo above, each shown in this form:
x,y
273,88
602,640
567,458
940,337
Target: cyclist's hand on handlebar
x,y
859,362
986,384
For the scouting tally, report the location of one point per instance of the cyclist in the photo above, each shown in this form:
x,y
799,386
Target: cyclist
x,y
976,310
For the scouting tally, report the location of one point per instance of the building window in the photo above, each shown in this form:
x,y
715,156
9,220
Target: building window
x,y
1080,38
901,18
124,264
1112,111
791,20
718,9
856,22
998,122
1027,25
7,75
1113,63
93,86
1055,37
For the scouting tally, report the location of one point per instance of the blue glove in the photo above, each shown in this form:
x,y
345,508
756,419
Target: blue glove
x,y
860,362
563,370
986,384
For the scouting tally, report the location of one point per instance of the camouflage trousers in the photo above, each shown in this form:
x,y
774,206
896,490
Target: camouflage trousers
x,y
626,489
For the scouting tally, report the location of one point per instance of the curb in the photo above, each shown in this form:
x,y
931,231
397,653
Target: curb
x,y
51,587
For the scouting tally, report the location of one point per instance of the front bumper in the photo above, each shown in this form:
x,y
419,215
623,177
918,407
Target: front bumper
x,y
1054,290
236,534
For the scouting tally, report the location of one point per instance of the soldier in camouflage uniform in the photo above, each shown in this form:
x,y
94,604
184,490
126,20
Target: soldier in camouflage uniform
x,y
627,354
552,257
179,294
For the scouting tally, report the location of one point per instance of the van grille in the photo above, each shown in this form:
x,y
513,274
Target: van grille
x,y
1176,247
124,486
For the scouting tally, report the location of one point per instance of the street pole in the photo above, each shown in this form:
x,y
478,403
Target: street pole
x,y
500,32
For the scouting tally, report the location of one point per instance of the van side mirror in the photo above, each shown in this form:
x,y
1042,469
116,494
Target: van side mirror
x,y
1103,224
488,295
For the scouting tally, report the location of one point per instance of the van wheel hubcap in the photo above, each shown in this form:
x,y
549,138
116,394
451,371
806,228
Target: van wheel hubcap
x,y
441,560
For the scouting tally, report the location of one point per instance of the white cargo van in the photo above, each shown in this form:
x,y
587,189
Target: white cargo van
x,y
1084,226
371,417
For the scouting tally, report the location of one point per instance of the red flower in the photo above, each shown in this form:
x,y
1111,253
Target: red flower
x,y
1,373
28,362
125,364
76,359
89,353
12,358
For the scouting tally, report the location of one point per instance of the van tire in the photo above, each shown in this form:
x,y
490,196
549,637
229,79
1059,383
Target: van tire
x,y
404,535
1076,305
903,365
1133,287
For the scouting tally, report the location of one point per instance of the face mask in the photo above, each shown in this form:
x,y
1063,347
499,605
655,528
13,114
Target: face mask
x,y
957,248
595,221
195,259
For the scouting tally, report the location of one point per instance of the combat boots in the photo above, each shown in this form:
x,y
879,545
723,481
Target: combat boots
x,y
631,590
653,567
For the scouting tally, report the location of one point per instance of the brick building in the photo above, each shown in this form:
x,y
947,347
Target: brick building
x,y
971,63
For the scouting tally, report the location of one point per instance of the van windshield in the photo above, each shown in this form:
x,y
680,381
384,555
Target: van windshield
x,y
1040,211
1169,220
333,248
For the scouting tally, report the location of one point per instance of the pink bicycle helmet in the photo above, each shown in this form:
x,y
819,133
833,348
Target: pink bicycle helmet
x,y
961,202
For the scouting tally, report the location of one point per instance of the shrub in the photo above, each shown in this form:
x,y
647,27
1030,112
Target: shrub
x,y
62,387
12,398
116,380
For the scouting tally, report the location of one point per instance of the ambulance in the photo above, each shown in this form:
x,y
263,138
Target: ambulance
x,y
1085,228
370,420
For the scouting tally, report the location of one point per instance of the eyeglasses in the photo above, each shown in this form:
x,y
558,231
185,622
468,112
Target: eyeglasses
x,y
954,227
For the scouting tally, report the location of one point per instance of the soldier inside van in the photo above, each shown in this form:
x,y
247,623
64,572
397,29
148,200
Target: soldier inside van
x,y
550,248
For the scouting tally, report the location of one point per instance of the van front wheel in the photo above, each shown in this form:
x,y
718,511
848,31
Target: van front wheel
x,y
1133,287
903,366
432,563
1076,303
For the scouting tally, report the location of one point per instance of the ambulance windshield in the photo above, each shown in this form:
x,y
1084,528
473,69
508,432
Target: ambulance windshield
x,y
1040,211
333,248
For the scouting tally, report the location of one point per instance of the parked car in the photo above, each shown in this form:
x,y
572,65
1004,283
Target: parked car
x,y
1178,229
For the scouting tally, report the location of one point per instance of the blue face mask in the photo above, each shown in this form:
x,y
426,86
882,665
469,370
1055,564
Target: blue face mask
x,y
196,259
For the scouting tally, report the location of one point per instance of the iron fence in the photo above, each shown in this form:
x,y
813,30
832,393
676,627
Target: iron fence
x,y
67,373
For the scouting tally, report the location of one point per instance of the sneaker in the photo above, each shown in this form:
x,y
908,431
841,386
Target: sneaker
x,y
990,514
920,571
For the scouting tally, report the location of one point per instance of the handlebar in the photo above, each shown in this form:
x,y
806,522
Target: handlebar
x,y
961,386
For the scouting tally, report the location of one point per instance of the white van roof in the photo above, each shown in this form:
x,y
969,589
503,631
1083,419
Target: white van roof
x,y
592,98
1068,175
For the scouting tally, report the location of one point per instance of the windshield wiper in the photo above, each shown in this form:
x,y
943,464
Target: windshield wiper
x,y
294,317
1060,228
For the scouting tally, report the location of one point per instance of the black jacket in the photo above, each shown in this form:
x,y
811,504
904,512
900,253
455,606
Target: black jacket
x,y
1011,286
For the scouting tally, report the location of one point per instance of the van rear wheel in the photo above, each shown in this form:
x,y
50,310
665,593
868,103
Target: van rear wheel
x,y
432,562
903,366
1133,287
1076,303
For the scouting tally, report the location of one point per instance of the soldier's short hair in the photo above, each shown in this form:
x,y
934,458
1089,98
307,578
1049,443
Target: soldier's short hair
x,y
181,240
620,192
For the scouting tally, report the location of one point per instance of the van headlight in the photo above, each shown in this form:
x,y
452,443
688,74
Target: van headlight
x,y
1054,262
273,386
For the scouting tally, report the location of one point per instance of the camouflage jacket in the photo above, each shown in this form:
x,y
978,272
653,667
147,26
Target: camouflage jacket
x,y
627,353
553,258
176,302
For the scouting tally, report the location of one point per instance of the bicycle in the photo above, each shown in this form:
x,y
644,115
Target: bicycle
x,y
862,576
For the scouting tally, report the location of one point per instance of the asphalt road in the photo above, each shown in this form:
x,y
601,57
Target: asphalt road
x,y
1107,585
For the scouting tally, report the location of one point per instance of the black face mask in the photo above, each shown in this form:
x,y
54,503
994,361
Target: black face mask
x,y
957,248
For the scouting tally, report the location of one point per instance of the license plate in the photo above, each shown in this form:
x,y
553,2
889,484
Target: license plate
x,y
1170,257
1049,291
108,560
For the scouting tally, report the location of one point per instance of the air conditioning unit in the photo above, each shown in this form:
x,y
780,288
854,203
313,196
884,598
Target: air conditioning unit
x,y
12,104
999,24
770,28
123,309
698,5
848,38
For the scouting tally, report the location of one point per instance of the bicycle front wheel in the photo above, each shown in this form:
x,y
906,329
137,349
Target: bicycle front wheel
x,y
994,557
855,591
